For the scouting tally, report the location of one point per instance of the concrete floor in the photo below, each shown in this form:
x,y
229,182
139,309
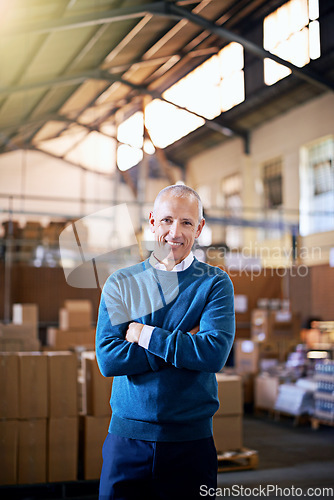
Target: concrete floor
x,y
288,456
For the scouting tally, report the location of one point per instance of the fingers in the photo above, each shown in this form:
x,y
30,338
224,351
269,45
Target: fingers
x,y
194,330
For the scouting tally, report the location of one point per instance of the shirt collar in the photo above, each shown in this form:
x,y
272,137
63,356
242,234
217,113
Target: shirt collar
x,y
182,266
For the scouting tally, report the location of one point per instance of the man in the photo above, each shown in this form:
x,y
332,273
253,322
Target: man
x,y
165,327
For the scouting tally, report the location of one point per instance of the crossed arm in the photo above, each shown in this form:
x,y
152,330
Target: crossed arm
x,y
204,348
134,330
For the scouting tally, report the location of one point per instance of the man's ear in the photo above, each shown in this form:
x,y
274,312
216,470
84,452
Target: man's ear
x,y
199,228
151,221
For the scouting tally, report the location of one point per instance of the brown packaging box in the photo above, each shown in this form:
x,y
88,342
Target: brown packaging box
x,y
62,384
75,314
32,451
229,394
26,314
227,432
96,388
18,343
33,395
260,325
93,432
9,383
63,437
25,331
246,355
66,339
265,392
8,451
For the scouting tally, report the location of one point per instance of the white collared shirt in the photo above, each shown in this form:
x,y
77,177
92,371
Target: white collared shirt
x,y
147,330
181,266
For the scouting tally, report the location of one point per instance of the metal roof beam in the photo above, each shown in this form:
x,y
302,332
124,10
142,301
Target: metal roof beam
x,y
226,130
104,75
91,19
304,74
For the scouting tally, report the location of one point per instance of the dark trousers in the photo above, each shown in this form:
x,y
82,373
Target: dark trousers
x,y
145,470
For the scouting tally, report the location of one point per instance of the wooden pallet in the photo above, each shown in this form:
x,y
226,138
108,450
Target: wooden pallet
x,y
316,422
242,459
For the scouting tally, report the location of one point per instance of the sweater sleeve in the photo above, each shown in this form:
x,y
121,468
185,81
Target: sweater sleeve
x,y
208,349
115,355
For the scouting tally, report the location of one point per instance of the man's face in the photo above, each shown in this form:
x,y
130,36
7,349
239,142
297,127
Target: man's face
x,y
175,226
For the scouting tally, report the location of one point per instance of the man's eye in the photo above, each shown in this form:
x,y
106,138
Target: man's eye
x,y
167,220
187,223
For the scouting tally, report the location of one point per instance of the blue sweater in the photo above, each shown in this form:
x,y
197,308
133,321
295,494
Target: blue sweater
x,y
167,392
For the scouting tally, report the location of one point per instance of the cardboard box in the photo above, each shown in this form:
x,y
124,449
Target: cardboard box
x,y
272,326
32,451
75,314
227,432
9,383
265,392
93,431
26,314
63,438
246,356
66,339
33,386
62,384
8,451
284,325
229,394
18,344
27,331
96,388
260,325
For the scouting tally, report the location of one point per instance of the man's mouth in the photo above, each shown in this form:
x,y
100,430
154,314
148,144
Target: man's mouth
x,y
174,243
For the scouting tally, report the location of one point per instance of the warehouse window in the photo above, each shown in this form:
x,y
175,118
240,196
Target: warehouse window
x,y
272,183
212,88
292,33
131,143
317,187
272,197
231,188
215,86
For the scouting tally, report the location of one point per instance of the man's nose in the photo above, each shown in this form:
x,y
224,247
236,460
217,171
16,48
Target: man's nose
x,y
175,229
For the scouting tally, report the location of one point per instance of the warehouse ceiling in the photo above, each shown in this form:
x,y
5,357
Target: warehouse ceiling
x,y
71,69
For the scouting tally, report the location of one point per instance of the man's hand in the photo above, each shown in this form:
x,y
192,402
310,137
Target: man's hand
x,y
194,330
133,332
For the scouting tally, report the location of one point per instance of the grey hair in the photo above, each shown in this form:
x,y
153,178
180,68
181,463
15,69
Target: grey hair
x,y
180,191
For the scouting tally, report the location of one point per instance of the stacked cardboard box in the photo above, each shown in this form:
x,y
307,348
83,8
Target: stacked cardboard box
x,y
246,356
63,433
75,326
38,417
273,326
266,391
9,412
22,333
32,417
96,414
26,314
96,388
51,232
75,314
18,338
278,331
31,234
227,422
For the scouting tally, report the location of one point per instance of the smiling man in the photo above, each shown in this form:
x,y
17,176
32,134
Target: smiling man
x,y
165,327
